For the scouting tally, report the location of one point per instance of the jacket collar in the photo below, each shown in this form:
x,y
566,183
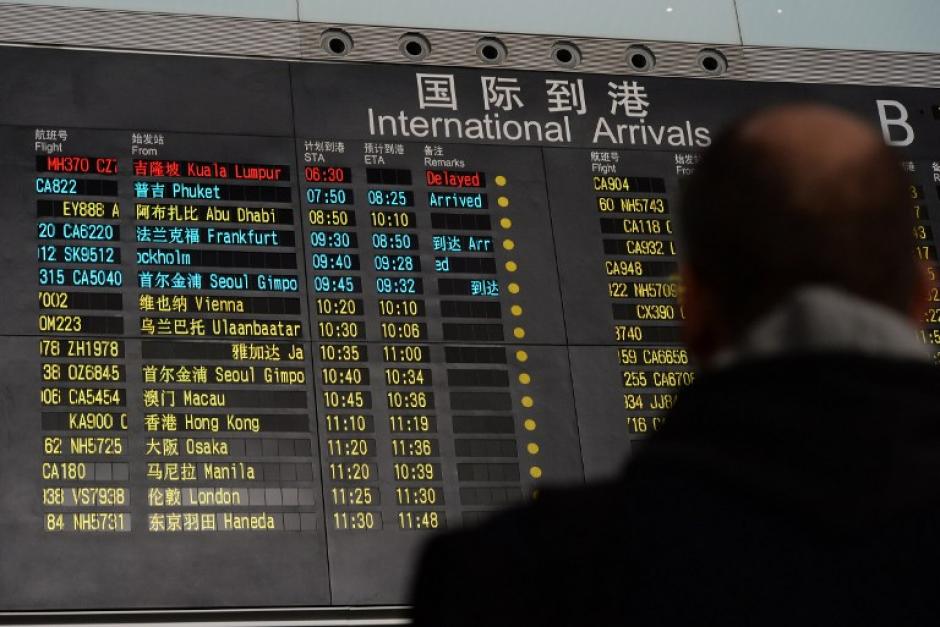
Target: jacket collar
x,y
818,319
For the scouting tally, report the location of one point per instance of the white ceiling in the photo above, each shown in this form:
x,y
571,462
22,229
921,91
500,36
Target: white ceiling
x,y
900,25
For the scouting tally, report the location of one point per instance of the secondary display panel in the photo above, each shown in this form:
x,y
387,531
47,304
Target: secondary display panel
x,y
270,326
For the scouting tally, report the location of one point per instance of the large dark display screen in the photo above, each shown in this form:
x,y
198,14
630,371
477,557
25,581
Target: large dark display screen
x,y
267,327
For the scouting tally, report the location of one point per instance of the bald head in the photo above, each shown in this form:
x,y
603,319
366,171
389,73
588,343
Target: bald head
x,y
794,196
821,152
825,135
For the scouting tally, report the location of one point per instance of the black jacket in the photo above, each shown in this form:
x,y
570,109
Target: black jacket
x,y
790,491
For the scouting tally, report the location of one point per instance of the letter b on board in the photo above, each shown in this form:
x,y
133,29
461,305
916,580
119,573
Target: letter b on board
x,y
892,113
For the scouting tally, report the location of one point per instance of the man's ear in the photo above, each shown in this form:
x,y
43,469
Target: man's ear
x,y
922,294
704,330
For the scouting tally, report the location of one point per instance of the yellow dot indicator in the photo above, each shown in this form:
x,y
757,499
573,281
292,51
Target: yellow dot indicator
x,y
513,288
527,401
502,201
500,180
516,310
525,378
518,333
532,448
535,472
512,266
508,244
522,356
535,495
506,223
529,424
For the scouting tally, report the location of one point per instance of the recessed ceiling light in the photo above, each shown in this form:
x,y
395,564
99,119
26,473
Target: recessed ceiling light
x,y
779,10
668,9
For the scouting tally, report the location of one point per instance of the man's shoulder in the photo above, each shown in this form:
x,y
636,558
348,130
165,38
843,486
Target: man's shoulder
x,y
834,367
783,396
525,561
552,515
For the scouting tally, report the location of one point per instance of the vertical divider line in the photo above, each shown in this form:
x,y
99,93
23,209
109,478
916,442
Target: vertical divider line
x,y
311,411
561,300
737,20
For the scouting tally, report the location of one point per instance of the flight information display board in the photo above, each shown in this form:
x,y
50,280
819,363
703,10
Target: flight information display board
x,y
267,327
